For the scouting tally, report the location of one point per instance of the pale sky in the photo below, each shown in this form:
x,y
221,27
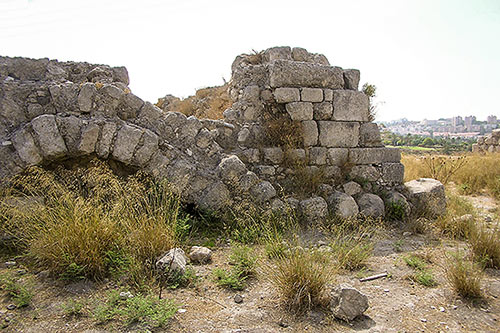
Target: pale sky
x,y
428,58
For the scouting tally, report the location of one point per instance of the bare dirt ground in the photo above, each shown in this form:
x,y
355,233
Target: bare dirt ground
x,y
397,304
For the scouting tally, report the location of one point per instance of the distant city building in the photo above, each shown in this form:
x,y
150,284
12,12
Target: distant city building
x,y
492,119
457,121
469,120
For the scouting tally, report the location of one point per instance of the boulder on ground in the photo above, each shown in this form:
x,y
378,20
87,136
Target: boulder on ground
x,y
314,209
342,205
371,205
200,254
347,303
427,195
173,261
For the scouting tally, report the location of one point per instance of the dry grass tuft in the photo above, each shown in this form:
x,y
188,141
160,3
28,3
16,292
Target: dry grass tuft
x,y
91,222
485,245
301,280
460,218
464,276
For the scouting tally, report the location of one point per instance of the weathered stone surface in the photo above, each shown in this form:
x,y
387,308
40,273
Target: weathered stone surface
x,y
231,168
251,155
25,146
88,138
369,135
284,73
347,303
322,111
352,188
147,149
126,141
277,53
374,155
86,97
427,195
338,134
200,254
300,110
310,133
70,128
313,209
263,191
216,197
295,155
371,205
311,95
342,204
349,105
273,155
351,79
317,155
363,173
392,173
103,146
338,156
129,106
247,181
48,137
174,260
287,95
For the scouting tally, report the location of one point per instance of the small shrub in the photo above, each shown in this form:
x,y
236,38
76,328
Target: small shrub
x,y
176,280
464,276
395,211
459,220
72,308
415,262
243,259
485,245
19,293
300,281
138,309
352,253
425,278
275,249
232,279
398,245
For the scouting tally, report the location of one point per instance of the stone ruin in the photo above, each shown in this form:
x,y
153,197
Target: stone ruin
x,y
54,111
489,143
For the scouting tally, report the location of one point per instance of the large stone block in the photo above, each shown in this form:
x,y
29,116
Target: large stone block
x,y
369,135
317,155
374,155
371,205
323,111
363,173
47,134
273,155
342,205
284,73
263,192
88,138
277,53
310,133
392,173
103,146
428,196
231,168
313,209
314,95
147,149
127,139
86,97
286,95
338,156
351,79
349,105
25,146
300,110
70,129
338,134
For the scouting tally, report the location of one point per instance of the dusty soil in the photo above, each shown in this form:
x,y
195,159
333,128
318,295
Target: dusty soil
x,y
397,304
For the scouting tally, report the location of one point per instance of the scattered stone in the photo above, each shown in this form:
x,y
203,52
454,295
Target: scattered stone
x,y
200,254
11,307
423,320
347,303
371,205
427,195
283,324
173,261
407,234
238,299
342,204
126,295
21,271
181,310
314,209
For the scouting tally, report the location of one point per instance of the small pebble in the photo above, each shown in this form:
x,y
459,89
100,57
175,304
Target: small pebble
x,y
126,294
433,307
181,310
283,324
406,234
455,307
386,290
423,320
441,309
11,307
10,263
238,299
21,271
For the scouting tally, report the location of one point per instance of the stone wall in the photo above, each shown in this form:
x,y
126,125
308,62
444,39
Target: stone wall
x,y
51,111
489,143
